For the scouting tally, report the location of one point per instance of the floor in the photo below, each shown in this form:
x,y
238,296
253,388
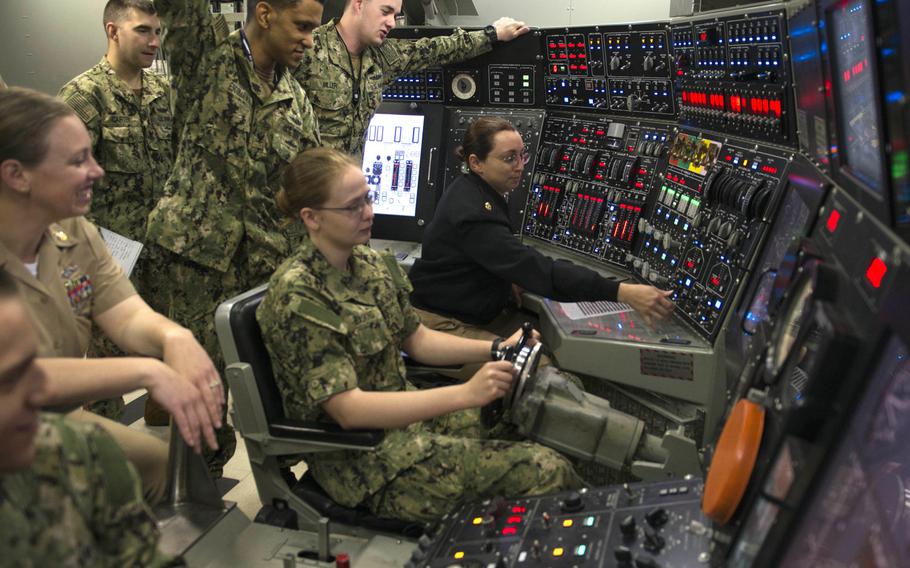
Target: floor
x,y
237,485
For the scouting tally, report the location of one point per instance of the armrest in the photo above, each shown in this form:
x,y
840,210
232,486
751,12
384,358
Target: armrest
x,y
325,433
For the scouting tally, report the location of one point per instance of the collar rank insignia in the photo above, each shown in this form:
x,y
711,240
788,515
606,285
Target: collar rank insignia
x,y
488,206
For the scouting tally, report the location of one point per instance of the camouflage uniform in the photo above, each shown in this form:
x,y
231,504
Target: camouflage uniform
x,y
218,215
328,332
132,138
78,504
329,80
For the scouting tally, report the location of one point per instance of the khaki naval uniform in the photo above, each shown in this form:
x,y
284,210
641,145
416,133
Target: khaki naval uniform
x,y
328,332
78,504
77,280
345,97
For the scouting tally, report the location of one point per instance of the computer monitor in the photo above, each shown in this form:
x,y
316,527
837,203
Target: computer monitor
x,y
400,166
858,152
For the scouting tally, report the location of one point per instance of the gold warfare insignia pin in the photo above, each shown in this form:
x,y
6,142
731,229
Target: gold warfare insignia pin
x,y
61,236
488,206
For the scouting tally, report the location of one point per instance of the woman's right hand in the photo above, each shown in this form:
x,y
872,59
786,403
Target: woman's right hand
x,y
183,401
491,382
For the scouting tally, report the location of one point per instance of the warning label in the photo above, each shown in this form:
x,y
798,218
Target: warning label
x,y
668,364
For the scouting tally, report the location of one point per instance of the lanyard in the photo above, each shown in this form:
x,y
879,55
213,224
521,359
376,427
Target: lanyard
x,y
249,55
355,77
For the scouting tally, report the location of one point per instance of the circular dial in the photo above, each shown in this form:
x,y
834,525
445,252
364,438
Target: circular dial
x,y
464,87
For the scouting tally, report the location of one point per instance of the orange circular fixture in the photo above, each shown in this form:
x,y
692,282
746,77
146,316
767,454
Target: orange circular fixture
x,y
733,461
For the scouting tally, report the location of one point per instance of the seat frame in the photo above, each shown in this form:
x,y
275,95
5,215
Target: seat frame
x,y
258,413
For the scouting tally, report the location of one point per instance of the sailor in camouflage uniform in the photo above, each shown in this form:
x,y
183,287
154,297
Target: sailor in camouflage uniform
x,y
68,497
335,320
243,117
127,111
352,62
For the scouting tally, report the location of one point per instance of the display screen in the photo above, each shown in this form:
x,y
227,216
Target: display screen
x,y
856,103
391,162
860,515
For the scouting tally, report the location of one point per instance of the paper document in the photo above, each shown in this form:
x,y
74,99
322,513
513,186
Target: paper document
x,y
125,251
583,310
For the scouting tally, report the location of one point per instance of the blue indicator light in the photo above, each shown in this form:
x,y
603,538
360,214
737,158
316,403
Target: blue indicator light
x,y
718,304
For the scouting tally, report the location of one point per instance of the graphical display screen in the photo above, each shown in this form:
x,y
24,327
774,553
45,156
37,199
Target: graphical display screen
x,y
391,162
852,58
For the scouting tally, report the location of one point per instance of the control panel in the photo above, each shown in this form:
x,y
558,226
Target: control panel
x,y
620,70
420,87
591,183
707,217
643,525
732,75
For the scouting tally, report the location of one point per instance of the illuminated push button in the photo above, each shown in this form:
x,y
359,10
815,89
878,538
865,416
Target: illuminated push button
x,y
589,521
477,520
568,523
458,555
581,550
558,551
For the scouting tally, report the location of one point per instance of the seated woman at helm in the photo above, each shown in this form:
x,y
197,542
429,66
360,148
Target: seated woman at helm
x,y
472,261
71,283
336,319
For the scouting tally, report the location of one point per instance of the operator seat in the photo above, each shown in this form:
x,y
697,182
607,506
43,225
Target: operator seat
x,y
269,435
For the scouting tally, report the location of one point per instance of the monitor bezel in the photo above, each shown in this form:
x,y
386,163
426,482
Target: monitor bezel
x,y
405,228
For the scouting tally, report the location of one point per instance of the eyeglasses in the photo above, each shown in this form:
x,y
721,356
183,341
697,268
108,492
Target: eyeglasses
x,y
355,210
512,158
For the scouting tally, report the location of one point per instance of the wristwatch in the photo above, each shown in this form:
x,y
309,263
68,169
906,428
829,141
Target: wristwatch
x,y
494,348
491,34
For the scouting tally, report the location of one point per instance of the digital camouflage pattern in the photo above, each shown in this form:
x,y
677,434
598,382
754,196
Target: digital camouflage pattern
x,y
79,504
328,332
328,78
236,139
133,140
218,212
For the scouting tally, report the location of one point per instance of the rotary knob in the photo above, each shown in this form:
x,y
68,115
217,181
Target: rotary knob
x,y
573,502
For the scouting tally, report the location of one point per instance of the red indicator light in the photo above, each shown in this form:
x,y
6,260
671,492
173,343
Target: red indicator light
x,y
513,520
509,531
775,108
631,148
715,281
690,264
552,46
728,158
769,169
876,272
703,36
519,509
572,45
833,220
